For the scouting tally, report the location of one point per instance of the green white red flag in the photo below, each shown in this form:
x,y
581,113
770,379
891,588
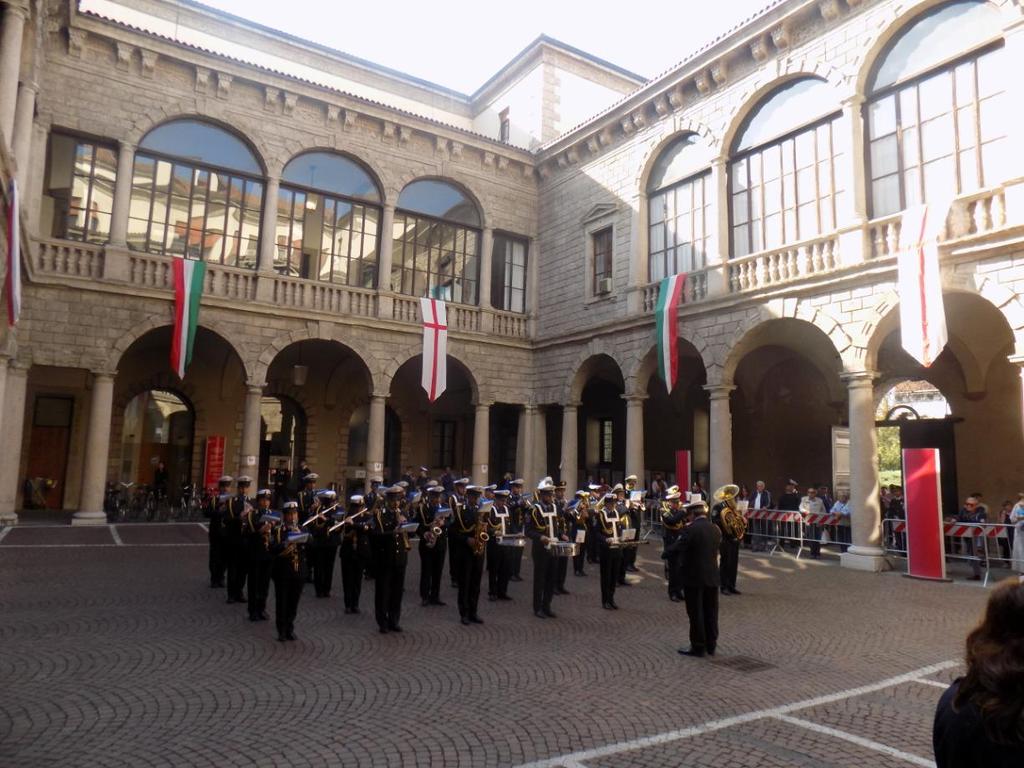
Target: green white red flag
x,y
188,289
670,292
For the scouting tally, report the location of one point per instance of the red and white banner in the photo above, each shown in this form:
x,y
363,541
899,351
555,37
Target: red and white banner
x,y
684,463
214,461
926,547
922,312
435,347
13,256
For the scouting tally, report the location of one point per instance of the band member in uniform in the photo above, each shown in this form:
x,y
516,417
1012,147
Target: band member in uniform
x,y
433,545
390,556
568,520
499,557
256,539
469,534
234,547
288,570
698,546
634,509
673,520
580,522
307,504
733,525
625,521
517,510
608,529
280,477
214,512
322,546
373,499
348,554
542,521
592,543
456,502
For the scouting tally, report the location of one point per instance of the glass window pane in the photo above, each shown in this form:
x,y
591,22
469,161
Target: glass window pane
x,y
657,208
994,161
908,106
993,73
936,95
786,109
331,172
740,205
882,117
937,138
202,142
966,132
911,187
939,179
994,117
969,171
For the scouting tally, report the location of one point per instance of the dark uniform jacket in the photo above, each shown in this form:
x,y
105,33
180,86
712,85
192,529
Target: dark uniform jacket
x,y
698,544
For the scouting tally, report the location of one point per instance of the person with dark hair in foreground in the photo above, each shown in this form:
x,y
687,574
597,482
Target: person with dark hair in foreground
x,y
980,718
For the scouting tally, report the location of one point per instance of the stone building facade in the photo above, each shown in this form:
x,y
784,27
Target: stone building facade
x,y
770,166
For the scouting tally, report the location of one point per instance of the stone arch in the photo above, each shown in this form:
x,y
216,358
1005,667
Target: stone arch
x,y
209,321
450,176
581,370
290,391
893,20
644,367
766,81
294,148
317,333
478,393
217,114
656,145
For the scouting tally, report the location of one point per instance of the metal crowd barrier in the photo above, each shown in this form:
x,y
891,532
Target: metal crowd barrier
x,y
771,529
968,542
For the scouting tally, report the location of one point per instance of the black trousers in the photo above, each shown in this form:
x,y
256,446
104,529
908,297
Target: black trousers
x,y
218,563
472,571
578,561
237,568
351,574
729,565
562,571
517,560
456,554
499,568
610,559
592,546
323,568
259,586
702,610
432,569
287,591
389,586
674,567
545,572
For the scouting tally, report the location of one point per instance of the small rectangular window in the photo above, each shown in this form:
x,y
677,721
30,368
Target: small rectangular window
x,y
605,436
444,443
508,273
504,126
601,250
79,196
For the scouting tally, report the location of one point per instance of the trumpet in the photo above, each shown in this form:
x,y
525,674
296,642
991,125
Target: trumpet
x,y
348,520
321,514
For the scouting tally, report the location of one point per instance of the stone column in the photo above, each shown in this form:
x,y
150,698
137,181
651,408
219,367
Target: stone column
x,y
481,442
15,14
720,427
122,195
525,444
570,444
486,248
639,275
717,255
97,452
249,450
852,214
24,127
540,443
15,382
532,284
268,225
635,436
866,554
375,438
385,261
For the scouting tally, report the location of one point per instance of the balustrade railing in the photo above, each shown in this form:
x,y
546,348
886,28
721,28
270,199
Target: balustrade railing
x,y
510,325
694,289
783,265
65,258
323,297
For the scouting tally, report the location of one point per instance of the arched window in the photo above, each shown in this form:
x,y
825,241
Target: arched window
x,y
782,176
937,115
196,191
677,204
328,220
437,243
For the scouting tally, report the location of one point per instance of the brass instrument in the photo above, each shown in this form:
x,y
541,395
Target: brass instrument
x,y
733,523
480,537
433,533
348,520
321,514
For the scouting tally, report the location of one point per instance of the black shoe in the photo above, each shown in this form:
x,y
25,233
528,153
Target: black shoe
x,y
550,615
674,598
454,585
632,569
355,610
395,628
424,603
383,630
253,617
606,606
476,620
231,600
281,637
347,609
724,590
264,616
624,584
561,592
516,578
465,621
504,597
491,598
291,636
734,591
711,651
613,605
691,652
438,602
540,614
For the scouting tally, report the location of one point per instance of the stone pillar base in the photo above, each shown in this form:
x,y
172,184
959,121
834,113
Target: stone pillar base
x,y
89,518
869,559
9,518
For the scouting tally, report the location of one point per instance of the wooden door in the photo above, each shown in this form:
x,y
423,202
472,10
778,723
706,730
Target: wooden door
x,y
48,450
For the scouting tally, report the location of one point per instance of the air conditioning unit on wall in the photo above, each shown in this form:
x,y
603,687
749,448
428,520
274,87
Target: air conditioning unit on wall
x,y
604,285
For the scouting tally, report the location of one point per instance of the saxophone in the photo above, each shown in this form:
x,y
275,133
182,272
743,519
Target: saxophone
x,y
480,537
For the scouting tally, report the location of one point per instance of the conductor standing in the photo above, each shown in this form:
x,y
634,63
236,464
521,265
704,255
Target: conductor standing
x,y
698,546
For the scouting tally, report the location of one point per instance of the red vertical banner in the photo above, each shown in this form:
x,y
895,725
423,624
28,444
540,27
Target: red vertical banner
x,y
926,546
684,466
213,461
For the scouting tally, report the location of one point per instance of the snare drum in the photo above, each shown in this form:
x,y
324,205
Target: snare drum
x,y
512,540
564,548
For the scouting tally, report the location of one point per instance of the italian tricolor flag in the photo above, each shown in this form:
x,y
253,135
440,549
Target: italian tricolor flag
x,y
665,314
188,288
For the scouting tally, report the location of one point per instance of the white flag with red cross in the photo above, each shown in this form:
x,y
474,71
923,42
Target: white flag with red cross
x,y
435,347
922,310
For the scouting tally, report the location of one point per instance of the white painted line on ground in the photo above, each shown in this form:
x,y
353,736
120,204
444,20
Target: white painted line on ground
x,y
5,530
97,546
115,535
858,740
727,722
935,683
204,526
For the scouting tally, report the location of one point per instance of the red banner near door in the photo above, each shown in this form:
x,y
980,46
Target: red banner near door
x,y
684,466
213,462
926,547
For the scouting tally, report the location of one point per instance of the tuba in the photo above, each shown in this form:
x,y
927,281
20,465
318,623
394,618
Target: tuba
x,y
733,523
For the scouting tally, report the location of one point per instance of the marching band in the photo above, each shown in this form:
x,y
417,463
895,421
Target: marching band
x,y
478,528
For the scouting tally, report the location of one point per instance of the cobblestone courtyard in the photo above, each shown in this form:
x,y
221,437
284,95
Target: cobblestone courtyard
x,y
116,653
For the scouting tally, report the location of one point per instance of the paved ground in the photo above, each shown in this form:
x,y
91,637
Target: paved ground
x,y
114,652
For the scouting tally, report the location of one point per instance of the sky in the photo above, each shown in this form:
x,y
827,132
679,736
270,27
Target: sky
x,y
459,44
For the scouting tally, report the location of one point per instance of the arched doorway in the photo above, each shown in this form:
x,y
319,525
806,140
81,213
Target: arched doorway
x,y
602,420
158,428
282,436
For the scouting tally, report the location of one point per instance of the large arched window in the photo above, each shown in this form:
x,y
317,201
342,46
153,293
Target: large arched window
x,y
328,220
437,243
782,176
678,196
196,191
936,115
